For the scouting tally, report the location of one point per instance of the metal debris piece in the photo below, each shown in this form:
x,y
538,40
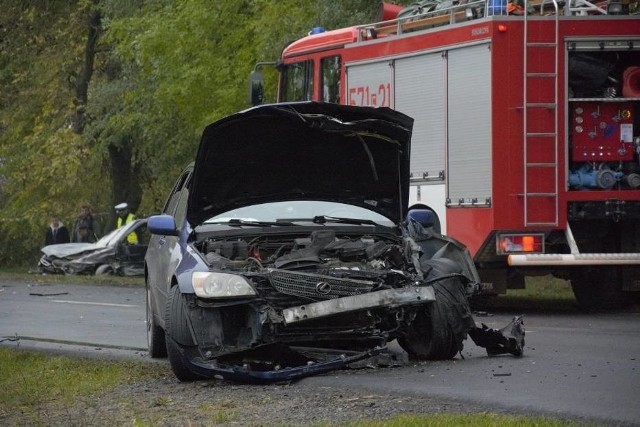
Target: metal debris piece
x,y
509,339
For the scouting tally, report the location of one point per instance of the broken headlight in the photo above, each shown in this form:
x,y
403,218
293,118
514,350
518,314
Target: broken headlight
x,y
220,285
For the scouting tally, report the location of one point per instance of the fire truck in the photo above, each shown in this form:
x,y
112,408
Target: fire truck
x,y
526,141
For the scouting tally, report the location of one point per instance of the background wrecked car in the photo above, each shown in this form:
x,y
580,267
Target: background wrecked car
x,y
287,249
112,254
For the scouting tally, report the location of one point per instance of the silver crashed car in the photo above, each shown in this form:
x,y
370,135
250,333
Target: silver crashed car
x,y
288,249
112,254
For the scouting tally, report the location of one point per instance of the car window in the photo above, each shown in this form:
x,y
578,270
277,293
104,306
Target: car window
x,y
181,207
299,209
172,202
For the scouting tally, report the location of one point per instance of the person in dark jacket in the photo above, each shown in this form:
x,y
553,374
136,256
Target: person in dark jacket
x,y
56,233
84,229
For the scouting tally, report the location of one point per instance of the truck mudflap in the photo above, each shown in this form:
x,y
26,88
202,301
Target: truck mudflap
x,y
574,259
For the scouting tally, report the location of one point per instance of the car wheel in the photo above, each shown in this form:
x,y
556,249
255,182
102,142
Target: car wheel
x,y
429,336
155,334
104,270
178,336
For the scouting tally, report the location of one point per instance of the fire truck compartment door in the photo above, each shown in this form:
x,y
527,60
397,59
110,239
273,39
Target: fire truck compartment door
x,y
420,93
370,84
469,125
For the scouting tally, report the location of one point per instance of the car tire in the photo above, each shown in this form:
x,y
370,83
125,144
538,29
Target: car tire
x,y
178,336
104,270
156,343
429,336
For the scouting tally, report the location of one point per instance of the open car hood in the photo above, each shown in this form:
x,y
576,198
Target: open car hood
x,y
303,151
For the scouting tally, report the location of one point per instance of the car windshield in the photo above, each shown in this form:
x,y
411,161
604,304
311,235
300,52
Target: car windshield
x,y
113,237
299,210
105,240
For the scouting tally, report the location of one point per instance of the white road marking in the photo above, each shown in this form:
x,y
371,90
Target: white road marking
x,y
94,303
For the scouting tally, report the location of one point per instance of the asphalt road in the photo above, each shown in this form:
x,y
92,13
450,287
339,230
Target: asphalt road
x,y
585,367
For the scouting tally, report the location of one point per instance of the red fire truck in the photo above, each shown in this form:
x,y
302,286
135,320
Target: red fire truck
x,y
526,139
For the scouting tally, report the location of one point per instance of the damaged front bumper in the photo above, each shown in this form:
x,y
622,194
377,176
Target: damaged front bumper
x,y
389,298
266,364
244,373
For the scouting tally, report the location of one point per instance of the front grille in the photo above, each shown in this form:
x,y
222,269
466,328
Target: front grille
x,y
317,286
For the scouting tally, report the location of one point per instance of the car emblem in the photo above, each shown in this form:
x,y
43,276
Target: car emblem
x,y
323,288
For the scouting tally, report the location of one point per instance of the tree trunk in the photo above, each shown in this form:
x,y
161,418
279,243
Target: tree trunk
x,y
82,83
125,182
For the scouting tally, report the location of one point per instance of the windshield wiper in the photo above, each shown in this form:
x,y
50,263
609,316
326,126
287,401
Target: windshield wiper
x,y
323,219
242,222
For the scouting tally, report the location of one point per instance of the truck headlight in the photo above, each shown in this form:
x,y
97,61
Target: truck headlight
x,y
220,285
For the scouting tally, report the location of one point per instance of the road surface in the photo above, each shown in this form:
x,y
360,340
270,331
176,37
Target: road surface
x,y
575,365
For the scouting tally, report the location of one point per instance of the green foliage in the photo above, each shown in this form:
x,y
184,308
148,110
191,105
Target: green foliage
x,y
162,71
42,159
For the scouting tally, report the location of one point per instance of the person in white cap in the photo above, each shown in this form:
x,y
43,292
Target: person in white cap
x,y
125,216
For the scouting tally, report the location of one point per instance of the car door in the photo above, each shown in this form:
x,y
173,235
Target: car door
x,y
164,252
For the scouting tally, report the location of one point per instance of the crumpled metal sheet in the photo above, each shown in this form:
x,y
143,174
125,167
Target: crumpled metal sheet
x,y
509,339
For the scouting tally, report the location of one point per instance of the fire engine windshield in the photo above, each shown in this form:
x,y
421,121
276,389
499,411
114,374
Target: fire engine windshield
x,y
297,82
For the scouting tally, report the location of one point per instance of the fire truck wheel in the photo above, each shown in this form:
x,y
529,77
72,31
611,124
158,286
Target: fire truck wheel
x,y
598,288
429,337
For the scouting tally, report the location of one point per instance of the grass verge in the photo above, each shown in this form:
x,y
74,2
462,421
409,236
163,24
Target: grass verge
x,y
462,420
541,294
37,389
22,275
33,384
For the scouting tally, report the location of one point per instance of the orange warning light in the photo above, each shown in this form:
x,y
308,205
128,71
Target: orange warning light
x,y
502,28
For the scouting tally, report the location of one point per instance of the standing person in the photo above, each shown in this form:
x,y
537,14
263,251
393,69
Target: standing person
x,y
84,229
56,233
125,216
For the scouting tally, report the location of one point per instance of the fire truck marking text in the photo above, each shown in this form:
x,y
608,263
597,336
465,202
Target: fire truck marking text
x,y
480,31
366,96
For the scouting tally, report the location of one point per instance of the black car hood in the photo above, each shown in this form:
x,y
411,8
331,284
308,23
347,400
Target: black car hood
x,y
303,151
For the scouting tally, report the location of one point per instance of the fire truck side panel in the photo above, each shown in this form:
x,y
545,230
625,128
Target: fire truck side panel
x,y
474,233
469,127
507,115
370,84
420,92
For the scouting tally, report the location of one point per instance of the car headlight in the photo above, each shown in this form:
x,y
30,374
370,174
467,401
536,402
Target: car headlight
x,y
220,285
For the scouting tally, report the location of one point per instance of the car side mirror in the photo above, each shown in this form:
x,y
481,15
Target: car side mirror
x,y
424,217
256,88
164,225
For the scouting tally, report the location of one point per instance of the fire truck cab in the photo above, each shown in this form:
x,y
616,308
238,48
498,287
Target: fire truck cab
x,y
526,141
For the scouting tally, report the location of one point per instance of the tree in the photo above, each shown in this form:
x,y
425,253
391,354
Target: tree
x,y
104,101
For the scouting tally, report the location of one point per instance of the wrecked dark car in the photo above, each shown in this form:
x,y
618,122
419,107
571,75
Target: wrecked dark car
x,y
113,254
287,249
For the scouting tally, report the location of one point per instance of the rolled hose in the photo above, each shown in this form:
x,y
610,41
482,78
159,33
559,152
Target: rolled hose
x,y
631,82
